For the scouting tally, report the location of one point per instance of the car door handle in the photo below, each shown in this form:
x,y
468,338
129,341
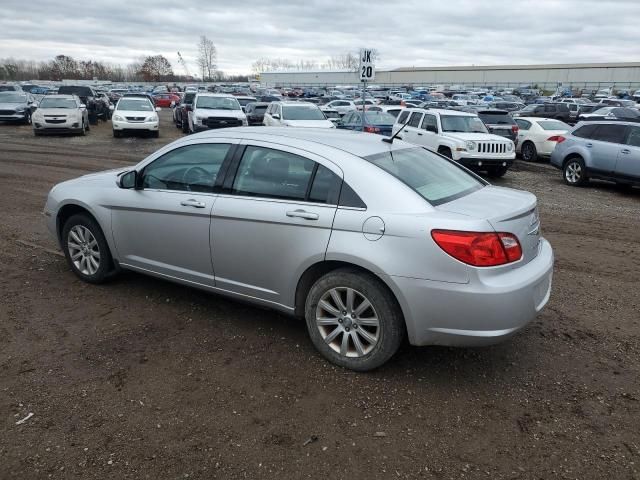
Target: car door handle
x,y
303,214
589,145
419,133
625,151
192,203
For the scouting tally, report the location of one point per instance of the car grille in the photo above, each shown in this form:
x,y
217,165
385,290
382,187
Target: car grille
x,y
55,120
492,147
222,122
135,119
7,112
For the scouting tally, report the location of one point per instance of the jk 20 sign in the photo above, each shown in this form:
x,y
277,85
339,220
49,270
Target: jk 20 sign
x,y
367,68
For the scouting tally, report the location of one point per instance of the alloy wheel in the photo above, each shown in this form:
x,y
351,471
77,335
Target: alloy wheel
x,y
84,250
573,172
348,322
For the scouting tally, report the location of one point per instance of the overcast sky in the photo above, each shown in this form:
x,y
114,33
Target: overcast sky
x,y
407,33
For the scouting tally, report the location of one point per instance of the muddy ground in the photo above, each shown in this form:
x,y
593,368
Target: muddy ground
x,y
141,378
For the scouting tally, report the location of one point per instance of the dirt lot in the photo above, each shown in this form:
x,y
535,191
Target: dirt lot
x,y
141,378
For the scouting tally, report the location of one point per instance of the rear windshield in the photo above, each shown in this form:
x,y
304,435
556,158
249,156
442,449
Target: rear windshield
x,y
260,109
496,118
553,125
434,178
380,118
13,98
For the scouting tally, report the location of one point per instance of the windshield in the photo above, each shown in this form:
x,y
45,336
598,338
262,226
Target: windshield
x,y
136,105
435,179
553,125
8,88
58,103
302,112
12,98
464,124
218,103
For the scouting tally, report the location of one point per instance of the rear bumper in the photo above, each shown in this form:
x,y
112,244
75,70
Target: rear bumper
x,y
485,311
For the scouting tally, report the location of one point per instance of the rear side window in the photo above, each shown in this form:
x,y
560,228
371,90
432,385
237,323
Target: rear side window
x,y
414,121
402,118
430,123
523,124
610,133
432,177
586,131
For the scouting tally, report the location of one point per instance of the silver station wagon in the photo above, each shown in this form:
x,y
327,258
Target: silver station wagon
x,y
368,240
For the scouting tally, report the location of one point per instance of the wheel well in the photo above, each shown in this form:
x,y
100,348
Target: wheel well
x,y
314,272
66,213
570,157
443,148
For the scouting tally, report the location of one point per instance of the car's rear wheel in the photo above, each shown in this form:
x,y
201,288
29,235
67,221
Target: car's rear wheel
x,y
574,172
353,320
86,249
529,152
117,134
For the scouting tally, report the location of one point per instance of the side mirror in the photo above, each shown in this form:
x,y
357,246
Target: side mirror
x,y
128,180
82,105
275,116
173,103
158,109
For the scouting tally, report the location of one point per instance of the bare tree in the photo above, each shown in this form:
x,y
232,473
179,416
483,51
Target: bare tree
x,y
207,58
156,68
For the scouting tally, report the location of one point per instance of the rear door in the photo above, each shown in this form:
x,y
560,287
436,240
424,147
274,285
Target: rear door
x,y
272,220
429,131
606,143
412,133
628,165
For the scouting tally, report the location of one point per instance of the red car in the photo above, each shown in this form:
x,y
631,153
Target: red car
x,y
165,99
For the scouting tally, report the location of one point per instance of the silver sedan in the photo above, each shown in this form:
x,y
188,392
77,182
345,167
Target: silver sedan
x,y
368,240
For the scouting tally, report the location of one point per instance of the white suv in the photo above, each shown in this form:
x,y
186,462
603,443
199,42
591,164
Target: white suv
x,y
460,136
215,110
295,114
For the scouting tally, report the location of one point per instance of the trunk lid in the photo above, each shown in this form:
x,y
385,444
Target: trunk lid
x,y
507,210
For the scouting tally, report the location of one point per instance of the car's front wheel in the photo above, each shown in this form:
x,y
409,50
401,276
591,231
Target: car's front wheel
x,y
86,249
353,320
575,173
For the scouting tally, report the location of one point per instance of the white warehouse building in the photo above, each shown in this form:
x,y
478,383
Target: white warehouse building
x,y
579,75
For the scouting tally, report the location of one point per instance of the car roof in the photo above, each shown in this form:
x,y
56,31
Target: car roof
x,y
357,143
605,122
540,119
295,103
442,111
61,95
209,94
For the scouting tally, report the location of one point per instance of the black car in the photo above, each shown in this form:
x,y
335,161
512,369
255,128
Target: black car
x,y
611,113
559,111
97,105
499,122
269,98
181,111
255,112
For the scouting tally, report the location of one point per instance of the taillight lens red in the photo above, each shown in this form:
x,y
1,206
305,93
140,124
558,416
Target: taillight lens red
x,y
480,249
556,138
371,129
515,128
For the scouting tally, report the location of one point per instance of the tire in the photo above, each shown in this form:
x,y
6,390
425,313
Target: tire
x,y
497,172
37,133
117,134
27,119
155,134
185,125
83,131
529,152
574,172
84,250
387,334
446,152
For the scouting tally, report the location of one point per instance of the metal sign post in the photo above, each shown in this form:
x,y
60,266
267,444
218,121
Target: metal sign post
x,y
367,73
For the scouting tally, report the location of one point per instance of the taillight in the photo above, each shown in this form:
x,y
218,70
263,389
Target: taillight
x,y
556,138
480,249
515,129
371,129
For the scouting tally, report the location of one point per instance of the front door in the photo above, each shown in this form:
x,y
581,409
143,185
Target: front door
x,y
273,220
163,226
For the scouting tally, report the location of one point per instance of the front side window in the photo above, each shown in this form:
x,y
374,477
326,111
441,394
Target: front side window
x,y
430,123
264,172
435,179
193,168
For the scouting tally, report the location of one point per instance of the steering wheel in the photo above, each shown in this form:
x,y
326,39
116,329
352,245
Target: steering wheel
x,y
194,175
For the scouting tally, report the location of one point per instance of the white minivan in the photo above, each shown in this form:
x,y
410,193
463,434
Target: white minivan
x,y
295,114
